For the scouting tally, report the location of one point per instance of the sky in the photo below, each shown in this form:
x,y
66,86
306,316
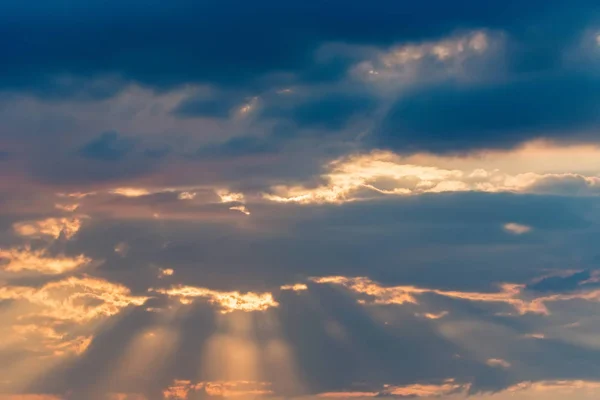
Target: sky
x,y
311,200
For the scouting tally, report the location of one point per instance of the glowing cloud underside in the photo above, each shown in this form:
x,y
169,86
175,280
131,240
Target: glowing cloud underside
x,y
77,300
366,176
226,301
20,260
51,227
181,389
429,390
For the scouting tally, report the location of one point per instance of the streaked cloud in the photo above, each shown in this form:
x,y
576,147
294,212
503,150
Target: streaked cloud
x,y
512,295
73,299
241,209
181,389
39,261
52,227
226,301
406,64
367,176
417,390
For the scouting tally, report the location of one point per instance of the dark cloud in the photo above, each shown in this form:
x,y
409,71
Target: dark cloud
x,y
239,147
560,283
108,147
457,117
232,41
330,111
208,106
110,156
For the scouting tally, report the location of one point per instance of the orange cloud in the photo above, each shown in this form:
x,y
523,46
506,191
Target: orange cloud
x,y
74,299
25,259
346,395
130,192
227,301
163,272
52,227
554,386
366,176
45,339
428,390
180,389
29,397
126,396
297,287
230,197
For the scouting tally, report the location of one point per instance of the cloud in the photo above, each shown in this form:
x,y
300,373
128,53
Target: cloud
x,y
417,390
29,397
52,227
516,229
561,283
329,111
498,362
110,146
188,34
379,173
181,389
73,299
28,260
226,301
297,287
452,117
209,105
512,295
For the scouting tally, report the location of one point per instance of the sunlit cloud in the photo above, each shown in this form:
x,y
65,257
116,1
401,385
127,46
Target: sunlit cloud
x,y
516,229
554,386
535,336
186,195
297,287
46,340
425,390
230,197
439,315
51,227
69,207
73,299
380,173
164,272
180,389
510,294
498,362
126,396
407,63
130,192
28,260
241,209
226,301
29,397
346,395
